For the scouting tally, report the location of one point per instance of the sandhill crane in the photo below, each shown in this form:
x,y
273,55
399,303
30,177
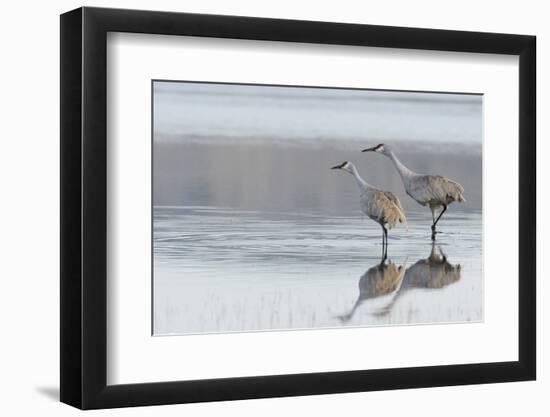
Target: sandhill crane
x,y
380,282
381,206
434,191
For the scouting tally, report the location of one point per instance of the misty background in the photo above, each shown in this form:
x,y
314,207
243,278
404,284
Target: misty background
x,y
271,148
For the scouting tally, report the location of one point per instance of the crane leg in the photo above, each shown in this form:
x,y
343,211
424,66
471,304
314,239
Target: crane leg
x,y
436,220
386,246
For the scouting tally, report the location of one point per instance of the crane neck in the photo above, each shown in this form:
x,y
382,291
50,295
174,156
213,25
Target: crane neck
x,y
361,183
404,172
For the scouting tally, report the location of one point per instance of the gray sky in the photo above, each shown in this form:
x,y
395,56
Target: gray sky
x,y
252,113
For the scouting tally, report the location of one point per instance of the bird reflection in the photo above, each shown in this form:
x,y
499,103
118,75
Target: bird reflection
x,y
383,284
378,285
434,272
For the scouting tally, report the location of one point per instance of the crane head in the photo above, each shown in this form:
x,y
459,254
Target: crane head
x,y
346,166
380,148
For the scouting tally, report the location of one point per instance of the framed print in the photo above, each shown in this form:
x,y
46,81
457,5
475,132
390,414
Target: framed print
x,y
257,207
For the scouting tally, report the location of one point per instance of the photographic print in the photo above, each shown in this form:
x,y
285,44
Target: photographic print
x,y
301,207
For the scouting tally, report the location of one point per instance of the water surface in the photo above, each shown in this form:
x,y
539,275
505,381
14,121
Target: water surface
x,y
223,270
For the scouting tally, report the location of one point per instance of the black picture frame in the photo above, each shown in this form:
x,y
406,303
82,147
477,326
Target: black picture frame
x,y
84,207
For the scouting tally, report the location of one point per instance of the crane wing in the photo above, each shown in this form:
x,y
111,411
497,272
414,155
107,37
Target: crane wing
x,y
393,198
436,189
387,207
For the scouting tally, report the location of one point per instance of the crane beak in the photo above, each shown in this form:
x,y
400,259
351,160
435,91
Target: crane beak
x,y
339,166
370,149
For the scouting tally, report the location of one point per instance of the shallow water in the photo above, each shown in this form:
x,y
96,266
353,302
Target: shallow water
x,y
225,270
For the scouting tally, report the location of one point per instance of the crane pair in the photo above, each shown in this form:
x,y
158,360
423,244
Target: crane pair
x,y
434,191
